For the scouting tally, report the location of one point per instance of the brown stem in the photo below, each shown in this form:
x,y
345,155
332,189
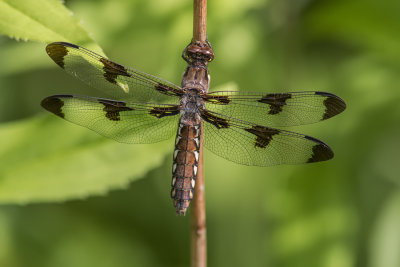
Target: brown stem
x,y
200,20
198,210
198,215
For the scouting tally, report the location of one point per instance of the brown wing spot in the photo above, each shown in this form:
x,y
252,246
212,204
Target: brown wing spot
x,y
113,108
57,52
160,112
112,70
321,151
216,121
275,101
333,105
54,104
218,99
168,90
264,135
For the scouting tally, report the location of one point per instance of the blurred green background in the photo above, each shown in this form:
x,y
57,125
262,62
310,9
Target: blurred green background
x,y
340,213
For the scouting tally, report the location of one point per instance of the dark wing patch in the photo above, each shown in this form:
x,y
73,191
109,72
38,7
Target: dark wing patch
x,y
57,52
217,99
217,121
125,122
113,108
112,70
168,90
255,145
276,101
321,151
160,112
333,105
275,110
115,80
263,135
54,104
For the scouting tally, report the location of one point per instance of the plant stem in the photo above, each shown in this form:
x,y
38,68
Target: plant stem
x,y
200,20
198,215
198,210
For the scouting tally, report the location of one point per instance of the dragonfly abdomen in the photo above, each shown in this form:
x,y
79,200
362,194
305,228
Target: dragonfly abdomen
x,y
184,170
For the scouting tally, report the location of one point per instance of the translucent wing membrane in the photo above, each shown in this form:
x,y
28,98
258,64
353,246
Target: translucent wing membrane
x,y
120,82
237,124
255,145
125,122
277,109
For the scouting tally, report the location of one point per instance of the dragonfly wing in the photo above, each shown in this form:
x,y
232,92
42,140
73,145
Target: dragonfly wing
x,y
115,80
125,122
255,145
277,109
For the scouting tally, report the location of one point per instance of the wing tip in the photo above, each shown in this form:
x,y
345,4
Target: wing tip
x,y
54,104
58,50
320,151
334,105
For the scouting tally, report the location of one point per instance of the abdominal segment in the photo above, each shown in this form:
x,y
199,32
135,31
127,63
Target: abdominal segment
x,y
184,169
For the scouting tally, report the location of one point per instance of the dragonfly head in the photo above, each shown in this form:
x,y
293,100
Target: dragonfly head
x,y
198,52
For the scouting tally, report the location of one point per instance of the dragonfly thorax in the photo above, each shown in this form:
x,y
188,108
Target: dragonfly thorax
x,y
191,102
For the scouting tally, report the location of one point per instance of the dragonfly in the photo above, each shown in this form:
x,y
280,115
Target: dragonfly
x,y
239,126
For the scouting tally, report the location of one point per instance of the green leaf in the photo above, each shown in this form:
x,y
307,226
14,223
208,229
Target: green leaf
x,y
47,159
42,21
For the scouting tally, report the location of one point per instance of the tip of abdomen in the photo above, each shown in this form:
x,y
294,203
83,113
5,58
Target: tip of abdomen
x,y
181,212
181,206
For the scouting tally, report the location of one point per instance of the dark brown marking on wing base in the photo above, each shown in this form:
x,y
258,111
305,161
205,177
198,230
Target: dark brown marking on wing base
x,y
54,104
168,90
333,105
275,101
264,135
57,52
218,99
160,112
321,151
113,108
112,70
214,120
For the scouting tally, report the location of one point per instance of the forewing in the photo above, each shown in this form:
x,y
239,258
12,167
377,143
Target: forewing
x,y
277,109
251,144
125,122
120,82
